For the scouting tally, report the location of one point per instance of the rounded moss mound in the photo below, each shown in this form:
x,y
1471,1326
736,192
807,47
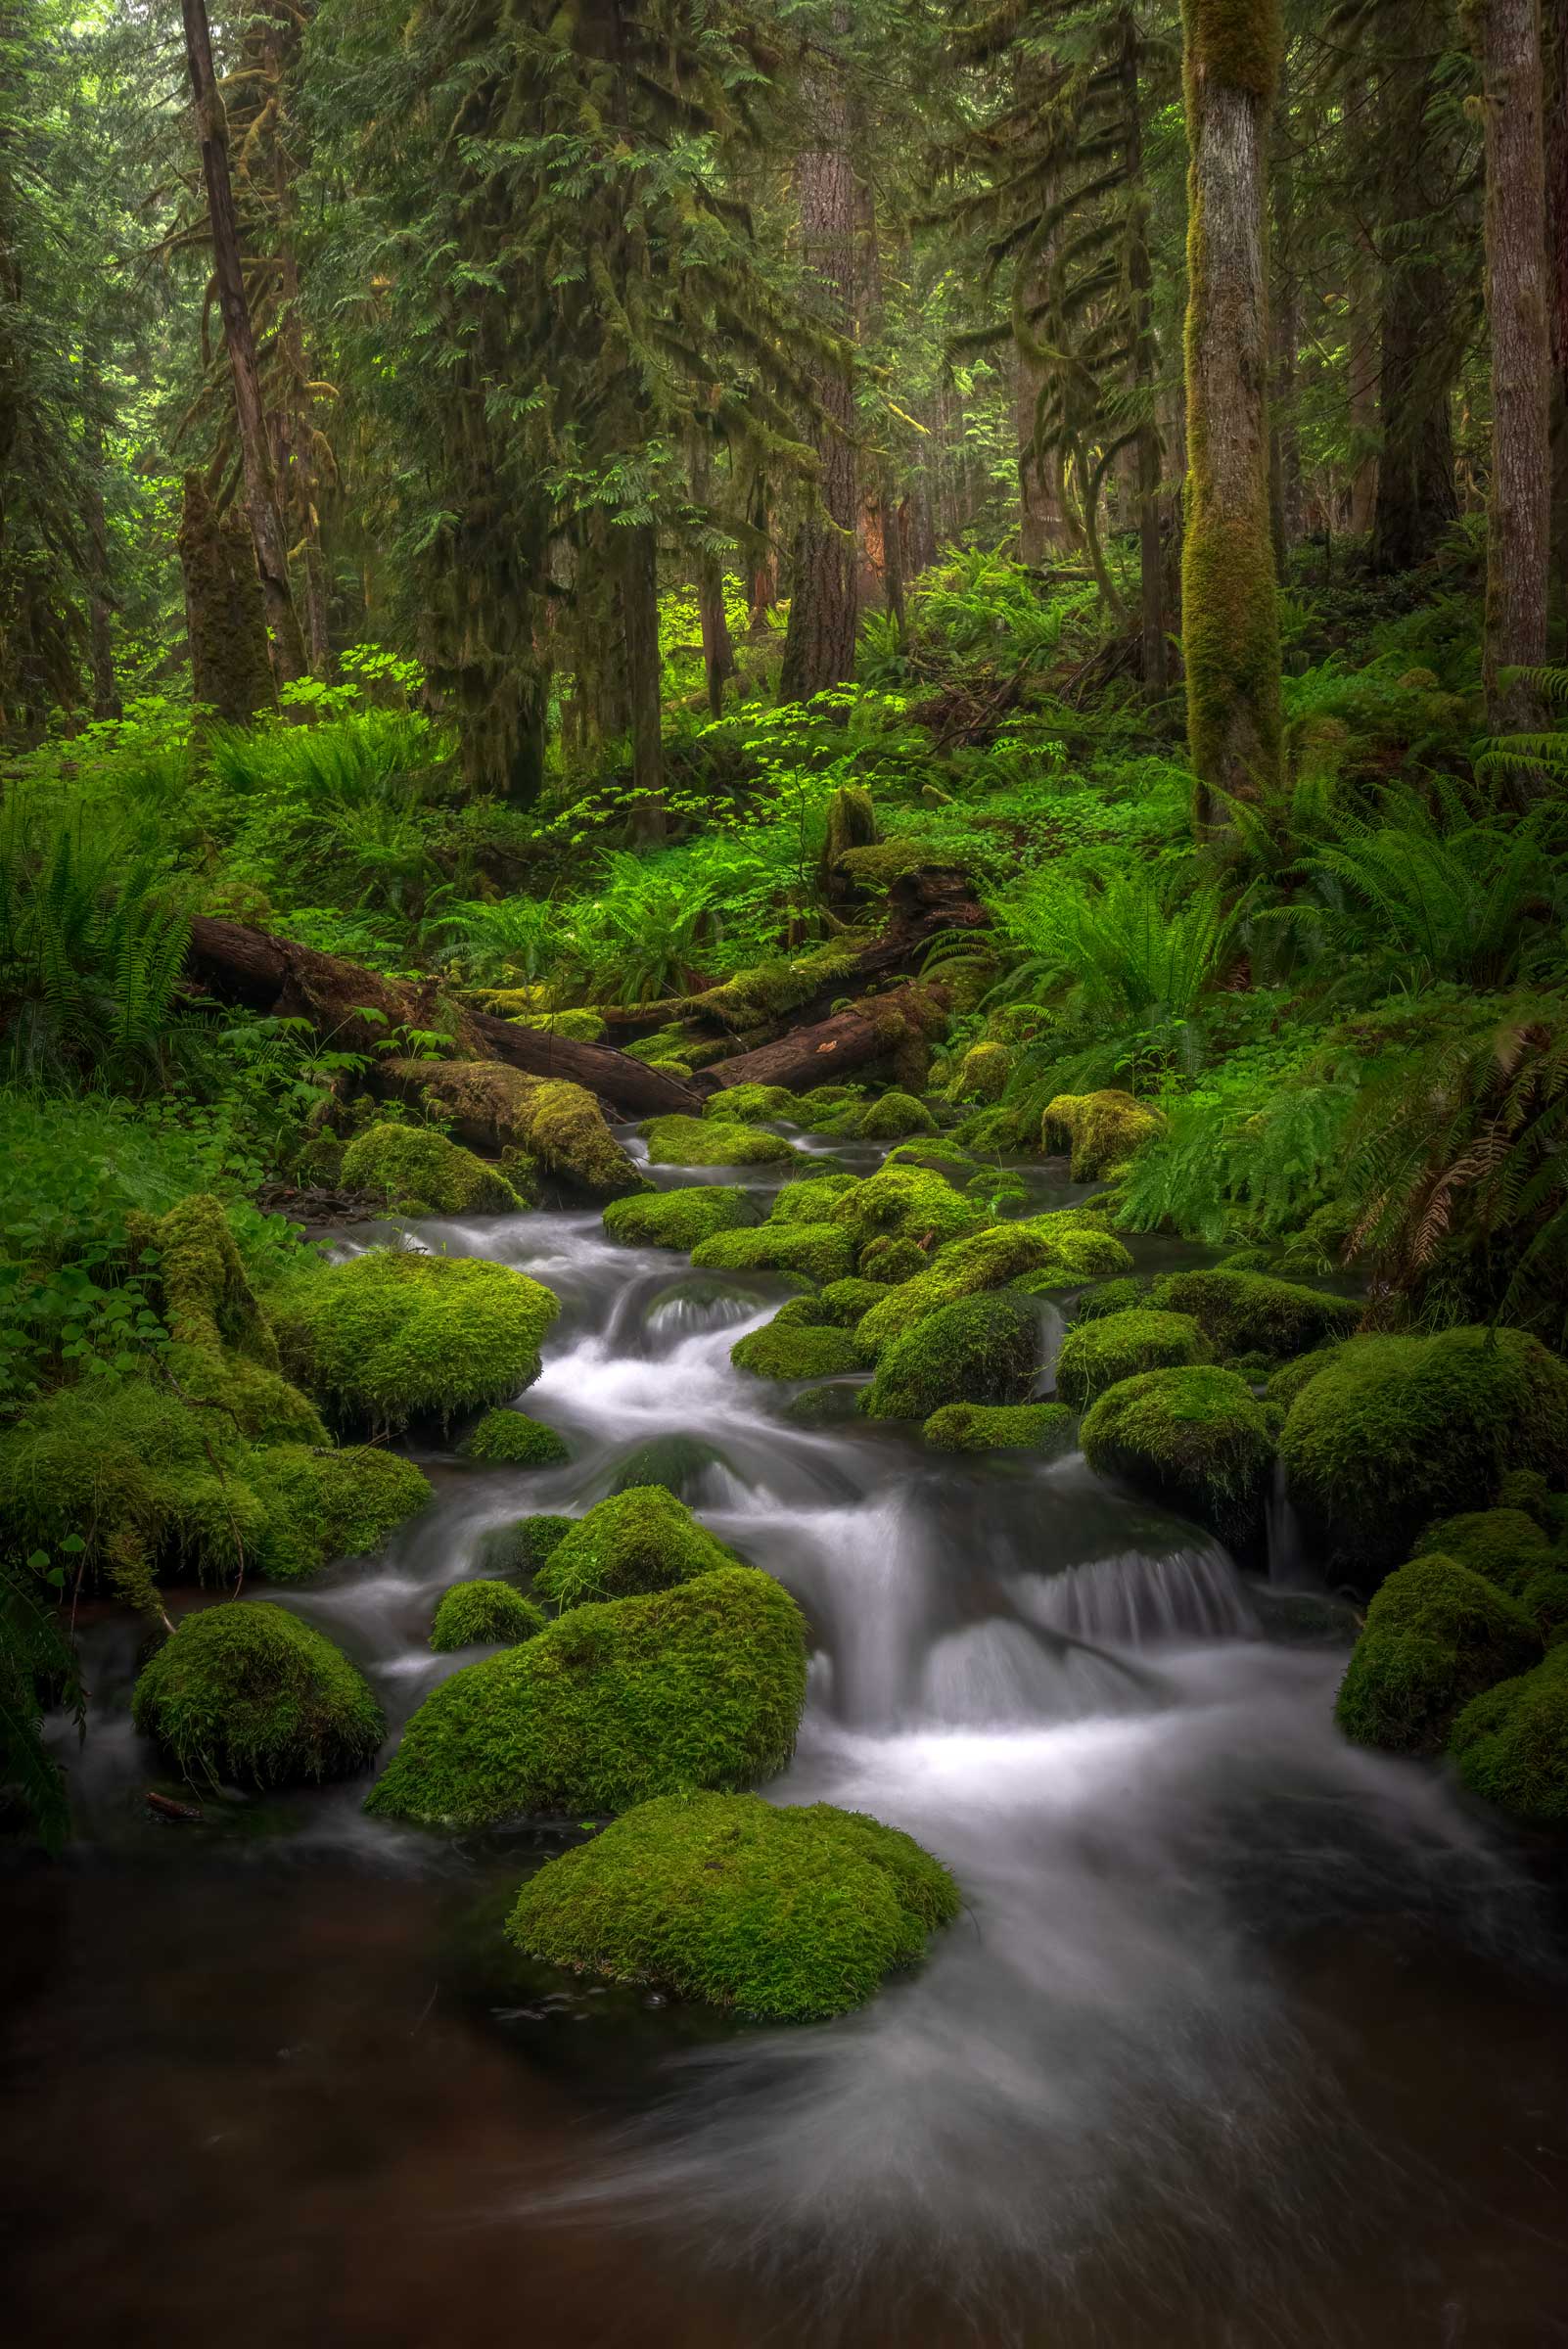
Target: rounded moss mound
x,y
484,1614
678,1462
1510,1744
887,1263
998,1427
331,1504
821,1251
639,1540
1395,1432
789,1349
510,1439
1193,1439
1081,1242
1504,1546
247,1693
1102,1130
987,1259
889,1119
1095,1355
981,1350
844,1302
787,1915
1436,1636
679,1219
392,1335
563,1124
1287,1382
811,1198
524,1547
1246,1312
414,1171
982,1075
699,1687
907,1203
1108,1297
712,1142
581,1025
747,1101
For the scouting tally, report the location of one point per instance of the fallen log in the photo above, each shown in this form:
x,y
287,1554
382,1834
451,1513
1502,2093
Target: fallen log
x,y
825,1051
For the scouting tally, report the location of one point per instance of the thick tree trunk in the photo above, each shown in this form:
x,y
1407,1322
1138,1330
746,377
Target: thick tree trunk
x,y
95,536
1284,438
639,614
1151,568
718,653
225,618
260,487
1519,506
1361,300
1555,30
1230,622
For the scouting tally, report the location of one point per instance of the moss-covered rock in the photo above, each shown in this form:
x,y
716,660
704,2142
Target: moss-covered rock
x,y
1395,1432
563,1124
748,1101
521,1547
1504,1546
785,1914
791,1348
1119,1296
983,1349
1102,1130
681,1219
982,1074
323,1505
888,1262
392,1336
998,1427
678,1462
1248,1314
1510,1744
484,1614
414,1171
712,1142
1081,1243
844,1302
810,1198
512,1440
821,1251
700,1687
907,1203
1095,1355
1436,1636
641,1538
1194,1440
247,1693
889,1119
986,1259
832,1402
1286,1383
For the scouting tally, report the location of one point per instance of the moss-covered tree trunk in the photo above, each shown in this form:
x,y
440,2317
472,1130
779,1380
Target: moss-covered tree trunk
x,y
1140,274
1554,37
638,574
225,617
1231,622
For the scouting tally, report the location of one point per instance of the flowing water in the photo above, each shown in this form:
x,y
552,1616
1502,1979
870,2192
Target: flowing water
x,y
1243,2038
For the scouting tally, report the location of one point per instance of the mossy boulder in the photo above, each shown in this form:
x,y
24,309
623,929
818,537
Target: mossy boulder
x,y
982,1074
844,1302
787,1915
1286,1383
246,1694
907,1203
681,1219
699,1687
712,1142
484,1614
1436,1636
986,1259
1095,1355
1102,1130
512,1440
983,1349
414,1171
811,1198
521,1547
1504,1546
1248,1314
793,1349
1395,1432
1193,1440
392,1336
998,1427
1119,1296
641,1538
821,1251
748,1101
563,1124
678,1462
1510,1744
1080,1243
888,1262
889,1119
325,1505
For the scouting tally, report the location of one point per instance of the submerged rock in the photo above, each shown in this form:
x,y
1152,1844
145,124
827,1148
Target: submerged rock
x,y
246,1693
522,1547
1095,1355
1436,1636
678,1462
483,1613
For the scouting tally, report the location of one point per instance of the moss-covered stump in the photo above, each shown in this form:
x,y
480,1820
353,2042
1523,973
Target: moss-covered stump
x,y
1102,1130
1097,1354
246,1694
787,1915
981,1350
998,1427
1193,1440
907,1203
1510,1744
392,1336
744,1102
986,1259
1436,1636
821,1251
225,1355
512,1440
521,1547
640,1539
678,1142
1247,1313
696,1687
1395,1432
681,1219
414,1171
484,1614
331,1504
982,1074
793,1349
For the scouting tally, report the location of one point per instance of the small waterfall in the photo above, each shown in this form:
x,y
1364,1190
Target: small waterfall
x,y
1135,1600
1286,1546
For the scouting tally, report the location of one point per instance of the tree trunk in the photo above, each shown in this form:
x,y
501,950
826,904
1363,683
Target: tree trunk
x,y
1284,440
260,488
822,1053
718,653
1230,619
1555,36
1151,568
1361,300
95,536
639,615
224,616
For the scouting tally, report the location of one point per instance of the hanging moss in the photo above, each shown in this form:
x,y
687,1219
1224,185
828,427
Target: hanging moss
x,y
641,1538
484,1614
1102,1130
247,1693
1436,1636
414,1171
1192,1439
512,1440
999,1427
1099,1353
680,1218
1246,1312
983,1349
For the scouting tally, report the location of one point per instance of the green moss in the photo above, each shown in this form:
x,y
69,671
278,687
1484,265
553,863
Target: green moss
x,y
844,1302
1545,1600
821,1101
330,1504
757,998
712,1142
393,1335
1398,1431
1287,1382
1510,1744
680,1218
982,1074
484,1614
225,1354
1001,1129
1436,1636
830,1403
676,1463
1503,1545
812,1198
1235,42
1246,1312
1081,1244
1193,1440
748,1101
907,1203
797,1351
786,1915
1108,1297
247,1693
1102,1130
641,1538
414,1171
983,1349
821,1251
886,1263
986,1259
563,1124
940,1157
998,1427
523,1546
889,1119
1097,1354
1527,1489
697,1686
512,1440
583,1026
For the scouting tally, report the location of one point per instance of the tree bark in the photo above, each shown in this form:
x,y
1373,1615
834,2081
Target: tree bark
x,y
1151,568
639,614
1554,33
1284,438
718,653
95,535
819,1054
225,618
260,487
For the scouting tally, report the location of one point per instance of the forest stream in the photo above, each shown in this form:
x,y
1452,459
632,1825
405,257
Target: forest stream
x,y
1245,2036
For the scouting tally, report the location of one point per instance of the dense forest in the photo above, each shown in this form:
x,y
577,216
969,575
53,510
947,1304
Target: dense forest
x,y
832,736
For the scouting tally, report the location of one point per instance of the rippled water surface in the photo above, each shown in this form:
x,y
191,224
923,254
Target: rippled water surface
x,y
1243,2037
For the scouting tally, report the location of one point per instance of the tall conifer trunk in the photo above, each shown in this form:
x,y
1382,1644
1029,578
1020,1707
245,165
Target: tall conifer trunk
x,y
1151,568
